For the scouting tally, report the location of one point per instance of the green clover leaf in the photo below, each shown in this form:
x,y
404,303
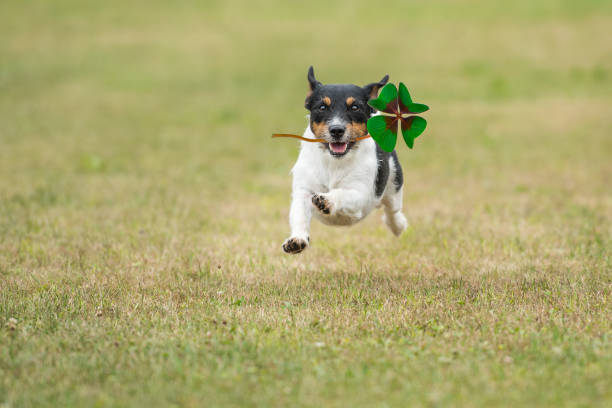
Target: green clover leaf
x,y
385,100
412,127
398,112
381,130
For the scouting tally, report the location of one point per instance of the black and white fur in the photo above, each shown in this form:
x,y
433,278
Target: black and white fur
x,y
341,181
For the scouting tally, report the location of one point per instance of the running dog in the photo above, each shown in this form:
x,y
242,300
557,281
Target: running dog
x,y
340,181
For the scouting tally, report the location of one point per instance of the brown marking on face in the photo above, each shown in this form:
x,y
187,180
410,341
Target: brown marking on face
x,y
356,129
319,129
350,100
327,100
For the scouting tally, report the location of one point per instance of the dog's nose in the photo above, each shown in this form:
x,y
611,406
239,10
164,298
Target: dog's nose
x,y
337,131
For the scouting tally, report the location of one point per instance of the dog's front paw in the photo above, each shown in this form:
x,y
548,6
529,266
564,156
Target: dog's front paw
x,y
295,245
322,204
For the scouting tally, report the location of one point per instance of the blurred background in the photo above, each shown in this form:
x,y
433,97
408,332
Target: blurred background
x,y
135,153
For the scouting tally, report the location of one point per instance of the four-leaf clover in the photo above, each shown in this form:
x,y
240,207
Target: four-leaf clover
x,y
397,111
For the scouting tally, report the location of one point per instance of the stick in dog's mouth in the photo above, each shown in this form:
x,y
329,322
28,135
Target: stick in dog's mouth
x,y
317,140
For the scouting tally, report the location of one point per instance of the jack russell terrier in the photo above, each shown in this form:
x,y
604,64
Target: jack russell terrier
x,y
340,181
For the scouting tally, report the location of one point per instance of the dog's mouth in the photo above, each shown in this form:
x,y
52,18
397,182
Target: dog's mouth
x,y
338,149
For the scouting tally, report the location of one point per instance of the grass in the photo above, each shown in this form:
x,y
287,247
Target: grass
x,y
143,205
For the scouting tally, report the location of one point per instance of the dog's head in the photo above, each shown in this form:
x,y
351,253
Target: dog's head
x,y
338,113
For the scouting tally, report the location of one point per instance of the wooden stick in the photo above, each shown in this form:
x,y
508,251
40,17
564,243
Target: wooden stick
x,y
313,140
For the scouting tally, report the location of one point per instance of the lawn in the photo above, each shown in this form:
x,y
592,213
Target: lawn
x,y
143,206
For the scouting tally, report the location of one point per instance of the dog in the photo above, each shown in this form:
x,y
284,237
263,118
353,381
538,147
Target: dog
x,y
340,181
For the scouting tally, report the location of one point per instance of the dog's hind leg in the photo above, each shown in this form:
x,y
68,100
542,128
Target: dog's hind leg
x,y
392,206
392,199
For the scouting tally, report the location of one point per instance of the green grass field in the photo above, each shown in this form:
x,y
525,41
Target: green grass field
x,y
143,206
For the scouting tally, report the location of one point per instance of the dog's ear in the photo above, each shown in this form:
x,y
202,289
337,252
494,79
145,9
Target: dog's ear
x,y
312,85
372,89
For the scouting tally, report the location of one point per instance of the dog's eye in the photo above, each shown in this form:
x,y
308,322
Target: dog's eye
x,y
322,107
354,107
